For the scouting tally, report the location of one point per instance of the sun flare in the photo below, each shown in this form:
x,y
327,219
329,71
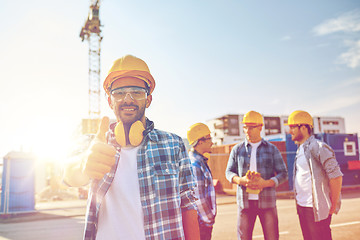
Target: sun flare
x,y
49,143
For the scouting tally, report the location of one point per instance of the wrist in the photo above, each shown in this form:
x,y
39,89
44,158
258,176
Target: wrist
x,y
236,180
270,183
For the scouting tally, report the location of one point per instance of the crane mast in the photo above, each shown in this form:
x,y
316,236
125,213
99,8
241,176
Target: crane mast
x,y
92,33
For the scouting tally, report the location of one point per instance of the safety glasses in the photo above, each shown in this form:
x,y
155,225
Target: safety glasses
x,y
136,93
251,127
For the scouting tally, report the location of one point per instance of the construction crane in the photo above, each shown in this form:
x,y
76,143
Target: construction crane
x,y
92,33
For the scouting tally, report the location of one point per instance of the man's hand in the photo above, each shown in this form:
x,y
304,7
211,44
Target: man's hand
x,y
258,183
255,183
261,183
332,209
100,156
242,181
252,179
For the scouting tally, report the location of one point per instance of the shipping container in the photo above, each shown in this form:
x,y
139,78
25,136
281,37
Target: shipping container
x,y
291,149
346,151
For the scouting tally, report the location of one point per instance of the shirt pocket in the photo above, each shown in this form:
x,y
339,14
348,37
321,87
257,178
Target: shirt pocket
x,y
166,182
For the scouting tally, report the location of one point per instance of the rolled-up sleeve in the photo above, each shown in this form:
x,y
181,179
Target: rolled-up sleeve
x,y
328,160
187,182
280,168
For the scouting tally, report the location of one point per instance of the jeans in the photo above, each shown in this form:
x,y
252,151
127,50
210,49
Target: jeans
x,y
268,219
205,232
311,229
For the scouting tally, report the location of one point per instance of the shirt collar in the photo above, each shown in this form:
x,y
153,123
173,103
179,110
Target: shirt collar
x,y
247,143
307,141
200,155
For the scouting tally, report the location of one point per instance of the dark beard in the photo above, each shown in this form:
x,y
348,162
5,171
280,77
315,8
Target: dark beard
x,y
139,115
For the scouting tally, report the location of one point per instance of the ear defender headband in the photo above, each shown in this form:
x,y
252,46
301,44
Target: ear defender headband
x,y
135,134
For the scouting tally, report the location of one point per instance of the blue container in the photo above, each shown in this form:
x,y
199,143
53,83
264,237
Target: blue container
x,y
291,149
18,183
351,177
346,148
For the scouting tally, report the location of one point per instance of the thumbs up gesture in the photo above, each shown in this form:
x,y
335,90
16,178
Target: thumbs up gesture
x,y
101,156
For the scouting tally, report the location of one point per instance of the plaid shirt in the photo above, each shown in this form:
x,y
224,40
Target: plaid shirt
x,y
206,203
269,163
166,186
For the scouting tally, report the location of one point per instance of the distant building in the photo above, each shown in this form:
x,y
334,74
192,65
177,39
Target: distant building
x,y
228,129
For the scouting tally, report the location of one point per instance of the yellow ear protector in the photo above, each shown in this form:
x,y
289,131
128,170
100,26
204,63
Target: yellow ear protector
x,y
206,155
135,134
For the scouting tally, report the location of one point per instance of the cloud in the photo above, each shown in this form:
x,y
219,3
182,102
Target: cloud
x,y
351,57
351,82
335,104
274,101
346,22
286,38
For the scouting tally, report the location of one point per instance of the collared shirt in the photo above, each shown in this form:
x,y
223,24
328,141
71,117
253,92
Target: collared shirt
x,y
166,186
323,167
206,203
269,164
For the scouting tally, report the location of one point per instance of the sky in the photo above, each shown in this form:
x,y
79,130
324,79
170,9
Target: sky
x,y
209,58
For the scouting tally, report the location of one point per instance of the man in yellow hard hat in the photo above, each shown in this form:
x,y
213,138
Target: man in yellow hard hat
x,y
317,178
257,167
199,138
142,185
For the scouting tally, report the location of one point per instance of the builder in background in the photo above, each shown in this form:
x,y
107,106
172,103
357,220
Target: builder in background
x,y
142,185
199,138
257,167
317,179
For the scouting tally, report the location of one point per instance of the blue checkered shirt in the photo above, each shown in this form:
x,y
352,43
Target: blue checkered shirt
x,y
206,203
166,187
269,164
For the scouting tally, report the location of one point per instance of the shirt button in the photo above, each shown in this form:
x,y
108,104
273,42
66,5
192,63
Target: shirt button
x,y
167,171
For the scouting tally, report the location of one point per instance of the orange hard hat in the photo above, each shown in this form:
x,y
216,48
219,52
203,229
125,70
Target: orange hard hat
x,y
129,66
253,117
197,131
300,117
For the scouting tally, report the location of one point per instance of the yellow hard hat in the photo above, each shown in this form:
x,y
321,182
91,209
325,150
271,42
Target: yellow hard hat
x,y
197,131
129,66
300,117
253,117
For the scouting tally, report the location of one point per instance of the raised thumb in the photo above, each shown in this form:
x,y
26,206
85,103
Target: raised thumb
x,y
103,128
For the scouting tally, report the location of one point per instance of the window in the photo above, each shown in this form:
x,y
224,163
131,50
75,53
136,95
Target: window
x,y
331,131
349,149
272,125
329,122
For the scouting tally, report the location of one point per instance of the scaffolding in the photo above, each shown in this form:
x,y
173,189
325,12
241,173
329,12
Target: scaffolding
x,y
92,33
